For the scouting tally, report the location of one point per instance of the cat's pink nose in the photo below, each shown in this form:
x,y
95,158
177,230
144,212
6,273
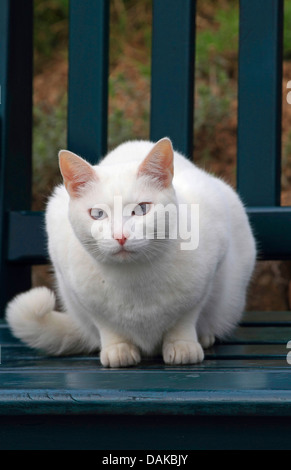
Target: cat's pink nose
x,y
121,240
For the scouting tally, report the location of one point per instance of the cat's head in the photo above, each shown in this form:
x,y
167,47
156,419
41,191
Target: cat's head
x,y
123,210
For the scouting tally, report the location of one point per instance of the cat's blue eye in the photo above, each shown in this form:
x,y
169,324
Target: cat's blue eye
x,y
98,214
141,209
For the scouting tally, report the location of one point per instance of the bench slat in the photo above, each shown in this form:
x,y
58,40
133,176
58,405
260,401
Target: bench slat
x,y
88,79
172,88
272,228
16,32
259,335
263,392
219,351
235,379
12,363
27,239
107,381
266,318
260,101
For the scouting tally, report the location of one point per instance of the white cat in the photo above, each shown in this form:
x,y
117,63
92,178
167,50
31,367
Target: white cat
x,y
129,285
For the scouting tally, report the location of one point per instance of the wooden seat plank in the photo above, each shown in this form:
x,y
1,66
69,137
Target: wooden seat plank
x,y
281,318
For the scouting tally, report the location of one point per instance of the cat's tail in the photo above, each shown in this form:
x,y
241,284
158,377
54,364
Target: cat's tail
x,y
32,318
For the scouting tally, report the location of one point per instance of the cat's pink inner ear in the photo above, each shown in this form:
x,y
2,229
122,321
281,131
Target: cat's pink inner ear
x,y
159,164
76,172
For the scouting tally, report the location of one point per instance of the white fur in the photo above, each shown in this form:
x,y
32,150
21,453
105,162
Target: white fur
x,y
155,299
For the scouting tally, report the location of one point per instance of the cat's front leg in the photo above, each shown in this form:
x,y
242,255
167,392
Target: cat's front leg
x,y
116,350
180,343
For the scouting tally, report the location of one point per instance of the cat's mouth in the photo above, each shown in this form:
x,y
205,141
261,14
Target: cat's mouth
x,y
123,251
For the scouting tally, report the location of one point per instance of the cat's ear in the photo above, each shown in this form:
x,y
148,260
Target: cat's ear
x,y
76,172
159,164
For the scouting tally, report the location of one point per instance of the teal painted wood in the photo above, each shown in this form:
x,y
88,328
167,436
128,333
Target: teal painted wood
x,y
258,335
241,389
16,131
148,433
266,319
172,90
260,98
221,352
247,375
27,241
88,78
272,229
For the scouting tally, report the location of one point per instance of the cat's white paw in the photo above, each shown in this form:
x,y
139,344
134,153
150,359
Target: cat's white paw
x,y
182,352
206,341
120,355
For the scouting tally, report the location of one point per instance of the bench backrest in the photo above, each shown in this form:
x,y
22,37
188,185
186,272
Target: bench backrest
x,y
22,239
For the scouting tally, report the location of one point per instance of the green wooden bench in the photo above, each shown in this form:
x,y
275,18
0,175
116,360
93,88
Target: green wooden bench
x,y
240,396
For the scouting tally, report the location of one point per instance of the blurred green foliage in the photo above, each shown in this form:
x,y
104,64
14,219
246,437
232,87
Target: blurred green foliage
x,y
130,23
50,29
212,44
287,30
49,136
